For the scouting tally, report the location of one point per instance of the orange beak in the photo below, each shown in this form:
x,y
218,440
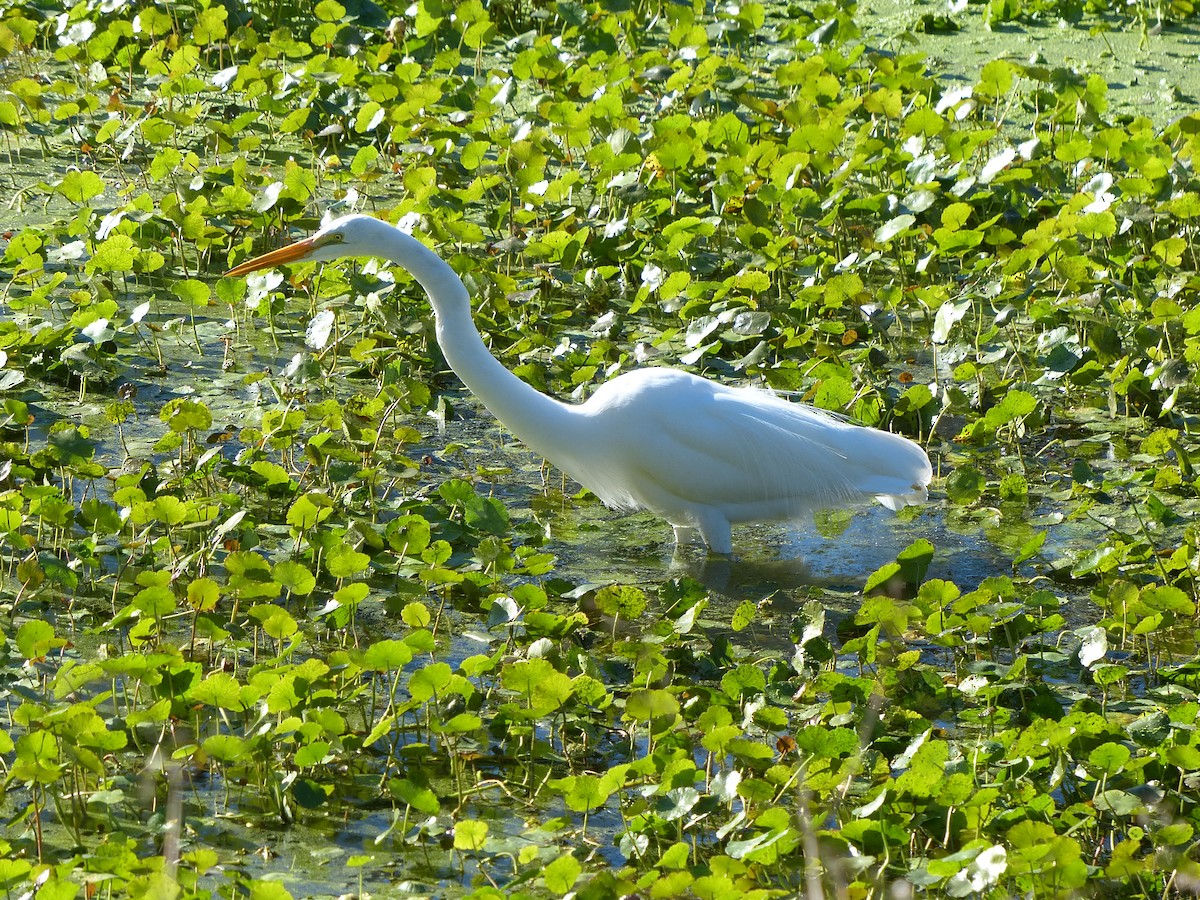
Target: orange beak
x,y
290,253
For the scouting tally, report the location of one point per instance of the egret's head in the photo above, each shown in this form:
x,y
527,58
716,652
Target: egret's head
x,y
353,235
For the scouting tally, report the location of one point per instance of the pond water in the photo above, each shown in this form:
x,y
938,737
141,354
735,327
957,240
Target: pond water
x,y
1147,67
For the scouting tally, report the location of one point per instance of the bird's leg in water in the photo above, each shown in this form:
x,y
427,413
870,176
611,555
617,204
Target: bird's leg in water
x,y
712,530
716,531
684,535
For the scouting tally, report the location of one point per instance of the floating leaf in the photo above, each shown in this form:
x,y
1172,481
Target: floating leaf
x,y
422,799
965,485
319,329
894,227
626,601
948,315
470,835
1093,644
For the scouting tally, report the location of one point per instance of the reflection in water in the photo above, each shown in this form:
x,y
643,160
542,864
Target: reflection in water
x,y
739,576
595,545
639,548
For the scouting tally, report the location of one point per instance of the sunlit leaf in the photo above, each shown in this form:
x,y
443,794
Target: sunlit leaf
x,y
894,227
561,874
470,835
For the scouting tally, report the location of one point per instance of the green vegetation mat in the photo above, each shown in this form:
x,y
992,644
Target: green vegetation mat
x,y
283,614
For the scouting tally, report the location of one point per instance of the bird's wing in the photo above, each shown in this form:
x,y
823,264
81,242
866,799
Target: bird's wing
x,y
756,455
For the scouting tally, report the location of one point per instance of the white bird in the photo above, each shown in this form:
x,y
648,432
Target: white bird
x,y
699,454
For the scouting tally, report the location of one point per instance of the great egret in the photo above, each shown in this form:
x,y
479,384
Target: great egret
x,y
701,455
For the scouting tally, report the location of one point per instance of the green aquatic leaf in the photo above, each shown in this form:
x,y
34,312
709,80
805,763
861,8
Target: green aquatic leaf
x,y
743,616
203,594
429,681
644,705
36,638
470,834
329,11
218,689
308,510
183,415
193,292
420,798
294,576
81,186
343,561
965,485
626,601
387,656
225,747
561,874
915,559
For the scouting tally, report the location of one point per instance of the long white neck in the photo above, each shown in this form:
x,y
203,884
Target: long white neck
x,y
526,412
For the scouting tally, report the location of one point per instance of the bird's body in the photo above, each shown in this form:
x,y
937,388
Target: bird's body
x,y
700,454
